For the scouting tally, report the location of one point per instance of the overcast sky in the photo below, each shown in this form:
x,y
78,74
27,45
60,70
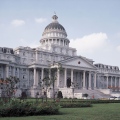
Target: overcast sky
x,y
93,26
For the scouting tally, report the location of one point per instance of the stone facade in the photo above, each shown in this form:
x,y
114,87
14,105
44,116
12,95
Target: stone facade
x,y
79,74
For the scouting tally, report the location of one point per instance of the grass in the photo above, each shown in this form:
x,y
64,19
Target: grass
x,y
97,112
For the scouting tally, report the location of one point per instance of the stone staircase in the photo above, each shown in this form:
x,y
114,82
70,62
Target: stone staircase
x,y
93,93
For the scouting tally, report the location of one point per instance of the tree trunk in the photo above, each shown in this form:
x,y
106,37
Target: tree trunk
x,y
46,94
53,92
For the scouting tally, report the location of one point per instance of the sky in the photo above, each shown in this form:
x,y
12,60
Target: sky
x,y
92,26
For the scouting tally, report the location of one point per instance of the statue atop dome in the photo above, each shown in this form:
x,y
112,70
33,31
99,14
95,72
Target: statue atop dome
x,y
54,17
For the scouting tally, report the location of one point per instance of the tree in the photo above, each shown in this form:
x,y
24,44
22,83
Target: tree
x,y
54,69
9,87
46,86
50,78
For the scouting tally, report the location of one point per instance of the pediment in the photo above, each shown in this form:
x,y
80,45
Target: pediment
x,y
78,62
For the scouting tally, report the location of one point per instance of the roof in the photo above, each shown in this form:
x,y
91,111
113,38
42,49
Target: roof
x,y
55,25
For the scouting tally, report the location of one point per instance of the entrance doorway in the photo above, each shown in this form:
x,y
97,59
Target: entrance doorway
x,y
68,82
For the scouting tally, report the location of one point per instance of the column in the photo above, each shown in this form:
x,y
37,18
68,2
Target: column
x,y
36,56
7,71
35,82
89,80
50,73
63,42
65,77
18,76
111,82
107,82
13,71
95,80
115,81
71,75
37,77
18,72
84,80
42,74
59,41
28,77
55,41
119,83
58,77
99,82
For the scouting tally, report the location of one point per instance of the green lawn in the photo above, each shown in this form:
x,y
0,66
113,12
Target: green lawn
x,y
97,112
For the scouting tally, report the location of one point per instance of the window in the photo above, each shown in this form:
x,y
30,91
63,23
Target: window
x,y
23,76
31,54
23,53
24,69
40,55
53,49
24,60
8,57
50,40
56,58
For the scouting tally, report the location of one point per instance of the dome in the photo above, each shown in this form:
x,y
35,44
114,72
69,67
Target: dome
x,y
54,25
54,34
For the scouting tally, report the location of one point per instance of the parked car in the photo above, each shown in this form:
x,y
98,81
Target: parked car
x,y
112,98
118,98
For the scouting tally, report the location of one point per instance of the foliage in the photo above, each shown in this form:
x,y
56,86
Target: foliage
x,y
17,108
9,87
90,101
50,78
97,112
75,105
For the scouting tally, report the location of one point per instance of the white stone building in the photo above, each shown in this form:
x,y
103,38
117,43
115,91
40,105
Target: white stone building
x,y
29,65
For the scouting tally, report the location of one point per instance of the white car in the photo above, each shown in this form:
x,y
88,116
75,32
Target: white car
x,y
112,98
117,98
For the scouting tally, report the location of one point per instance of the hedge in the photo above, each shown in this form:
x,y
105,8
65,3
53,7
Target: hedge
x,y
17,108
75,105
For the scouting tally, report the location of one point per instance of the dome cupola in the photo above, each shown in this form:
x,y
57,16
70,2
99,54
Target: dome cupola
x,y
54,29
54,33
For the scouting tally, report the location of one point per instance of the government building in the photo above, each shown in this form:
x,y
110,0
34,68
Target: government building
x,y
79,75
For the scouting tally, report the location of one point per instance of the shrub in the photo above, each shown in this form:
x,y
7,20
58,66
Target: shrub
x,y
17,108
75,105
